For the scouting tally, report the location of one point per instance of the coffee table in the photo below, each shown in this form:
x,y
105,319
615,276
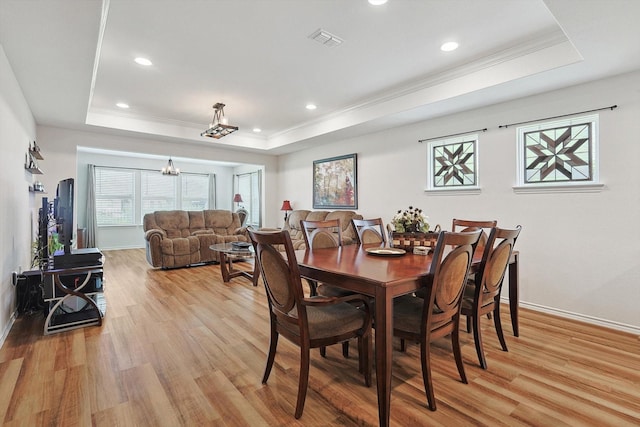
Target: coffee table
x,y
229,254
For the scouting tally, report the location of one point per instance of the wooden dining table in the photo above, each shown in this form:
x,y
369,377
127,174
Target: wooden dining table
x,y
383,278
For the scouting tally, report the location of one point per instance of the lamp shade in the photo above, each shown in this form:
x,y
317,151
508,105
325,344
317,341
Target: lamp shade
x,y
237,198
286,206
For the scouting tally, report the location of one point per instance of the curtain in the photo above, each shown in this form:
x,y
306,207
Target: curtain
x,y
92,226
212,191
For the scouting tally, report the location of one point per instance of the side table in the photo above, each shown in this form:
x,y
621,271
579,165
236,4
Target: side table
x,y
228,254
61,286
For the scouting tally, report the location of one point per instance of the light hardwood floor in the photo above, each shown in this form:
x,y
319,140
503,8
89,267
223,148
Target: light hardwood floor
x,y
182,348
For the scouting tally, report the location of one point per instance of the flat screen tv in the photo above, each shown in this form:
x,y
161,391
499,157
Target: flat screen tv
x,y
63,212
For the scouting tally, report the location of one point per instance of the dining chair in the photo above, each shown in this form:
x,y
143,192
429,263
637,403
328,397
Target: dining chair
x,y
467,224
318,235
369,230
482,293
307,322
438,313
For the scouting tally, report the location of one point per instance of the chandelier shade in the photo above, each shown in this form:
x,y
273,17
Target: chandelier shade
x,y
218,127
170,169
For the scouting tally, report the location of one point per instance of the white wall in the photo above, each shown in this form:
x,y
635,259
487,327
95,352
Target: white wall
x,y
580,252
17,210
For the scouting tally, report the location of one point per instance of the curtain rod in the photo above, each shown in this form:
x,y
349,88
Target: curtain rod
x,y
453,134
557,117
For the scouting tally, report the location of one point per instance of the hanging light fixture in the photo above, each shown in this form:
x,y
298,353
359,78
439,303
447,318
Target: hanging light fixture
x,y
219,126
169,169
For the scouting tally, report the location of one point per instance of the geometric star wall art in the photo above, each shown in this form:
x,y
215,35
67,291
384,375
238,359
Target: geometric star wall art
x,y
558,153
453,163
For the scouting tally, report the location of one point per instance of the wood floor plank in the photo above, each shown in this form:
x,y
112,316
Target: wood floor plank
x,y
182,348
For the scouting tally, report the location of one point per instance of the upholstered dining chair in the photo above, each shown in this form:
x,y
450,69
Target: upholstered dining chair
x,y
307,322
467,224
438,313
482,293
318,235
369,230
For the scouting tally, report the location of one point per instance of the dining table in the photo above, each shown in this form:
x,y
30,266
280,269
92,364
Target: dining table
x,y
384,275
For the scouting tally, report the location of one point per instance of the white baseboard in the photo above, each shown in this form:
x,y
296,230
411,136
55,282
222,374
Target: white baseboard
x,y
580,317
7,329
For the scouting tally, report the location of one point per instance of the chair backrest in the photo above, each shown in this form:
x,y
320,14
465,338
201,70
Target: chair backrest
x,y
449,275
242,214
280,275
369,230
322,234
468,224
495,260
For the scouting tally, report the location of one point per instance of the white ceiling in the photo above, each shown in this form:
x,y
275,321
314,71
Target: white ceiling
x,y
74,62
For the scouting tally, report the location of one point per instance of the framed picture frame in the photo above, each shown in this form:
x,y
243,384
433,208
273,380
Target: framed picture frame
x,y
335,183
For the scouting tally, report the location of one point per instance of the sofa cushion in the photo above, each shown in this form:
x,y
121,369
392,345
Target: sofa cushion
x,y
196,220
293,221
222,222
174,223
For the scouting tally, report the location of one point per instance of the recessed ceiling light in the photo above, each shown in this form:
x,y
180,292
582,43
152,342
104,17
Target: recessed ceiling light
x,y
122,105
257,130
143,61
311,106
377,2
449,46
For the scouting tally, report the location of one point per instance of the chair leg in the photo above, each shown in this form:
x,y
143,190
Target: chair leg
x,y
323,351
273,344
345,349
457,354
498,325
426,374
477,337
468,323
303,381
365,353
403,345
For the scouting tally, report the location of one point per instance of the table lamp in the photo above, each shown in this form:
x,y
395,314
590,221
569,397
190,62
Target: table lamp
x,y
286,207
237,199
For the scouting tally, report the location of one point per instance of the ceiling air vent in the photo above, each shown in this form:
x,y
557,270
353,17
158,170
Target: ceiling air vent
x,y
325,38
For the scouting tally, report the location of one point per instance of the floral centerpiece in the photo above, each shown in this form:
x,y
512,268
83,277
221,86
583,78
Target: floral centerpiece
x,y
411,220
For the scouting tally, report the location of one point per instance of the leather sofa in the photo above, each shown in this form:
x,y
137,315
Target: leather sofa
x,y
182,238
297,235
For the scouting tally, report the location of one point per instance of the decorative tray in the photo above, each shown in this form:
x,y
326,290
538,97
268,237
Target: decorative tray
x,y
240,245
386,251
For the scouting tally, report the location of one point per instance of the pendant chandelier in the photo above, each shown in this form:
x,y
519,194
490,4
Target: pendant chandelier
x,y
170,169
219,127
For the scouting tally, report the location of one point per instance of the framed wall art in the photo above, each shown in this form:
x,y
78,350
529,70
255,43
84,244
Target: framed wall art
x,y
335,184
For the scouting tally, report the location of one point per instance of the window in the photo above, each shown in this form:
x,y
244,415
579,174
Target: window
x,y
452,164
158,192
115,196
124,196
558,154
248,185
195,192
